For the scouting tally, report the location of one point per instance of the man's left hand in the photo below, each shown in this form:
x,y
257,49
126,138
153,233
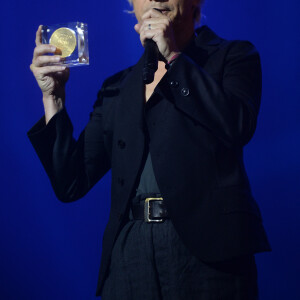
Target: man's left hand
x,y
158,27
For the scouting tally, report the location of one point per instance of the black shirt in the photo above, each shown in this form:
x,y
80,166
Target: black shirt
x,y
147,182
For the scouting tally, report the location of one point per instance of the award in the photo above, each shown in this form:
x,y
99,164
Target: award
x,y
71,41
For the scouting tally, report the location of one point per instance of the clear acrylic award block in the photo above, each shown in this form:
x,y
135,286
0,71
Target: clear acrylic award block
x,y
71,40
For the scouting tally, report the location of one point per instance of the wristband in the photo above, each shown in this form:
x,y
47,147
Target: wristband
x,y
168,64
173,58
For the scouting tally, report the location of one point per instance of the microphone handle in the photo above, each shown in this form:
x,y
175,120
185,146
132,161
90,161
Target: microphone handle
x,y
150,61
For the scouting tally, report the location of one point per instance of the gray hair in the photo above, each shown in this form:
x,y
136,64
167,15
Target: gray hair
x,y
197,15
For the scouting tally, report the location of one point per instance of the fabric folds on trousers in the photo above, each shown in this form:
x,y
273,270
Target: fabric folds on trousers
x,y
149,262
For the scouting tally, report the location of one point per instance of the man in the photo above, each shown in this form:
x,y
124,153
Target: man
x,y
178,141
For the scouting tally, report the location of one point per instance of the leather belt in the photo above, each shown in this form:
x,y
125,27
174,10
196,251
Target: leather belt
x,y
150,209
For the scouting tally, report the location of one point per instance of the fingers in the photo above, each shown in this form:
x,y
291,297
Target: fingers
x,y
38,36
39,57
149,30
42,63
152,20
153,13
157,26
150,34
41,71
150,26
43,49
137,28
46,60
152,16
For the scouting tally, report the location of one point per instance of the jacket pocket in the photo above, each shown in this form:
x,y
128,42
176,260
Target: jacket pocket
x,y
235,199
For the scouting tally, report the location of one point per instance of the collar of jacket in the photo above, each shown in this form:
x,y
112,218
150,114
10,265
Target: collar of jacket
x,y
203,45
132,88
207,37
206,40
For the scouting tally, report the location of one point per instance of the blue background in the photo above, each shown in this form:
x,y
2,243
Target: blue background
x,y
51,250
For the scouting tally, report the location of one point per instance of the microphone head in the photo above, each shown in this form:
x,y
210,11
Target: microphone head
x,y
148,75
150,61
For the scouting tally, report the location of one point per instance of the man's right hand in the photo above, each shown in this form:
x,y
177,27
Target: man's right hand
x,y
51,79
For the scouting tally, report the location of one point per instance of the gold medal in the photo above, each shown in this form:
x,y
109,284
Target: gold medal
x,y
65,40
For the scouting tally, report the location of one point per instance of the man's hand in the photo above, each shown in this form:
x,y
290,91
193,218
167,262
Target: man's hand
x,y
156,26
50,78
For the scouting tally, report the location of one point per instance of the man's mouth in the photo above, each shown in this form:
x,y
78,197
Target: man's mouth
x,y
162,10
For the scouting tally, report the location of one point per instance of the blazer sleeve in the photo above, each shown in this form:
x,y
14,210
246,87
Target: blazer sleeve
x,y
73,167
229,108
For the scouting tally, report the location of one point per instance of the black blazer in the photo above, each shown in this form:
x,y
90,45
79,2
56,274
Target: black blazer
x,y
211,99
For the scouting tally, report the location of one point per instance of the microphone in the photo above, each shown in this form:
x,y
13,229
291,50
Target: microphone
x,y
150,61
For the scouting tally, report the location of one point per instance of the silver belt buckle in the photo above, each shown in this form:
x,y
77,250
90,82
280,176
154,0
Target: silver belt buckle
x,y
147,211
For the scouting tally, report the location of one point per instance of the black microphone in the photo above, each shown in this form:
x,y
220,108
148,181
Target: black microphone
x,y
150,61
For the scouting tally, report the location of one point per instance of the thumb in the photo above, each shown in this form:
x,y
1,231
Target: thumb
x,y
137,28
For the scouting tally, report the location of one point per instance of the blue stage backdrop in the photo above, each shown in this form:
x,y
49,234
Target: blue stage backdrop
x,y
51,250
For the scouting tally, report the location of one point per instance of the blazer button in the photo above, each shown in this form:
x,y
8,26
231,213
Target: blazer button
x,y
185,92
121,144
174,83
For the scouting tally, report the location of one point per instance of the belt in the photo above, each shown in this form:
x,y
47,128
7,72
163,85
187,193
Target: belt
x,y
150,209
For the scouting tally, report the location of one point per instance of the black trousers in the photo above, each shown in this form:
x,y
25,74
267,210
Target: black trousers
x,y
149,262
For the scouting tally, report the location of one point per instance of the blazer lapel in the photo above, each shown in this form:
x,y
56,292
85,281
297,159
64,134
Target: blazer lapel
x,y
199,51
203,46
